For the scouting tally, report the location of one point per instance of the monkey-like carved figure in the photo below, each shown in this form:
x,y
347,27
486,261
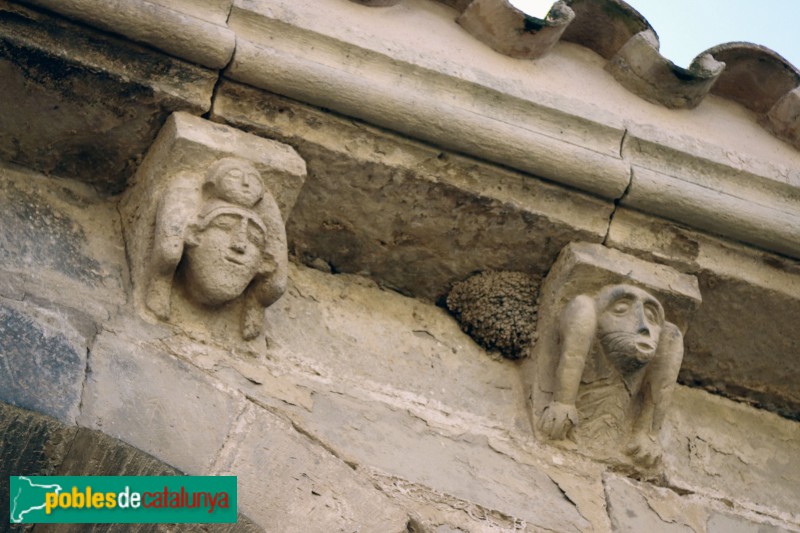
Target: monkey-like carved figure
x,y
618,363
228,238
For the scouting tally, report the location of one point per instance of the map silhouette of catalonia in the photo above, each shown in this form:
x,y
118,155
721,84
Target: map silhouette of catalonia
x,y
29,497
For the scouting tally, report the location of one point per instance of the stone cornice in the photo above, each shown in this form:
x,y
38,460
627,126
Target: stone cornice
x,y
716,171
193,32
564,117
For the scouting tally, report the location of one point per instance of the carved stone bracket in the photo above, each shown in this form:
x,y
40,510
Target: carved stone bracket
x,y
204,226
609,351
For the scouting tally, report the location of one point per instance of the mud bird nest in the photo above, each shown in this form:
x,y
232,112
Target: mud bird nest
x,y
498,310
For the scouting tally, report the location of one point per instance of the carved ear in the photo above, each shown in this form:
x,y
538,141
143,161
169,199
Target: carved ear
x,y
268,265
190,238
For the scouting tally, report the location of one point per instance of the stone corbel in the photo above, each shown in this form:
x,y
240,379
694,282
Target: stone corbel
x,y
204,224
610,345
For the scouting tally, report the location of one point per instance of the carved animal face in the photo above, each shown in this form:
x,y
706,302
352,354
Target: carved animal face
x,y
223,256
629,325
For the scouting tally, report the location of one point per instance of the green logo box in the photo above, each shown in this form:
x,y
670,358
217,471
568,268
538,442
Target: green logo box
x,y
122,499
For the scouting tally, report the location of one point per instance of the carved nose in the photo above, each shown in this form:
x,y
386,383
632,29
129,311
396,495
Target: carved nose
x,y
643,328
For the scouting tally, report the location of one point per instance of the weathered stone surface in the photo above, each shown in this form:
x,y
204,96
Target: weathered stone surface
x,y
155,402
375,204
636,507
60,243
86,105
462,465
438,397
726,523
42,360
743,340
434,512
288,482
346,330
733,452
169,28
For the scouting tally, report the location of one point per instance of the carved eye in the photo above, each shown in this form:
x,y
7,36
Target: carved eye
x,y
651,314
236,173
225,222
621,307
255,235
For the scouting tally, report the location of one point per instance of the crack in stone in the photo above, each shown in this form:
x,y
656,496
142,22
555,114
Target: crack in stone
x,y
617,203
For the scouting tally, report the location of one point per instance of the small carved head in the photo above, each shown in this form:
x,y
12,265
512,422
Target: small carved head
x,y
629,326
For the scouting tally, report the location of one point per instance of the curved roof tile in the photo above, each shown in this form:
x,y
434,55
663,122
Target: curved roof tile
x,y
641,69
604,25
751,75
511,32
755,76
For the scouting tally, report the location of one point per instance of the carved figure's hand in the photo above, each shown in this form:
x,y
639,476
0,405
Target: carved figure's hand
x,y
644,450
157,297
559,420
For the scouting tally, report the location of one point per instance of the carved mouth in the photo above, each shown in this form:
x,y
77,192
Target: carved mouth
x,y
233,260
645,347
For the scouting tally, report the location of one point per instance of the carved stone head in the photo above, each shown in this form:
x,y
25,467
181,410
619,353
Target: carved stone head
x,y
629,326
226,244
225,238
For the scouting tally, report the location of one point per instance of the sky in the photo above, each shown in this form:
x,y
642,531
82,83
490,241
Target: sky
x,y
688,27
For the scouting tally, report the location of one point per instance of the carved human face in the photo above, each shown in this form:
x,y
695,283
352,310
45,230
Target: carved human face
x,y
240,184
629,326
223,255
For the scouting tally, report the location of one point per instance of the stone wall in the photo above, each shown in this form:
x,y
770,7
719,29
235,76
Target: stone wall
x,y
362,406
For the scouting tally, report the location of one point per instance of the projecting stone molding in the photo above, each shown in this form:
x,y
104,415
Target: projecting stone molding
x,y
609,352
618,33
205,225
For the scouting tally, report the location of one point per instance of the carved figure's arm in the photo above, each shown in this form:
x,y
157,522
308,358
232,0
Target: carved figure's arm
x,y
270,283
172,218
577,330
655,396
